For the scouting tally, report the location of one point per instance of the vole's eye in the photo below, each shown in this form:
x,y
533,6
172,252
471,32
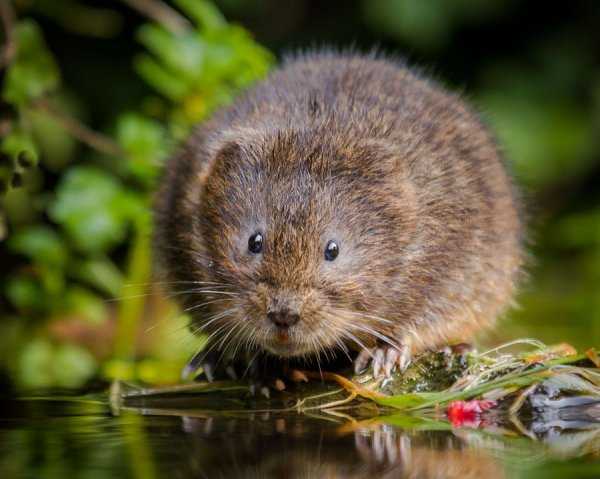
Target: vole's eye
x,y
255,243
331,250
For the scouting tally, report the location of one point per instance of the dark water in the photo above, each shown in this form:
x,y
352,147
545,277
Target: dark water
x,y
83,438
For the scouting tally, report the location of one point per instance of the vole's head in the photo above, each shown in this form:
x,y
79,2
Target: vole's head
x,y
296,242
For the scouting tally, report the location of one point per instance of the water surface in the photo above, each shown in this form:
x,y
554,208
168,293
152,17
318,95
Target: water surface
x,y
82,437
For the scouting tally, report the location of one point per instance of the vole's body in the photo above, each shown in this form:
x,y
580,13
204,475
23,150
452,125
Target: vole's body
x,y
359,150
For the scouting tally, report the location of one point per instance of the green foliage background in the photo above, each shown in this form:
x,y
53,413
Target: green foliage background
x,y
96,94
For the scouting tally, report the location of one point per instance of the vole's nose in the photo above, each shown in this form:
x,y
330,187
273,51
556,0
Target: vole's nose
x,y
283,318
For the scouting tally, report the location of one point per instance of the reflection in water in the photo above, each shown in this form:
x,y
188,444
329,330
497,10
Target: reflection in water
x,y
292,447
61,439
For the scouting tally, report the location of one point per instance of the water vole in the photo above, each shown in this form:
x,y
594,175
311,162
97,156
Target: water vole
x,y
344,204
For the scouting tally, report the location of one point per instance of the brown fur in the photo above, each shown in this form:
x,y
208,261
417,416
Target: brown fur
x,y
366,152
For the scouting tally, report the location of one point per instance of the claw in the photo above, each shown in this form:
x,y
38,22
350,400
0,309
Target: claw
x,y
384,360
207,367
405,358
378,362
208,363
231,373
362,360
391,359
265,392
193,365
297,376
279,385
258,388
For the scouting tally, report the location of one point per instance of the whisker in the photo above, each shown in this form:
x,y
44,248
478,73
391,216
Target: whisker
x,y
206,323
378,335
250,363
172,294
213,291
198,306
224,339
160,283
211,342
342,347
236,338
352,337
370,316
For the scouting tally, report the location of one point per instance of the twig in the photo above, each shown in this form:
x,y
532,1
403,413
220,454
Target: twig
x,y
161,13
5,127
10,45
346,383
80,131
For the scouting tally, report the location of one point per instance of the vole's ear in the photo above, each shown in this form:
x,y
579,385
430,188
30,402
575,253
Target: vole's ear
x,y
242,139
235,145
228,155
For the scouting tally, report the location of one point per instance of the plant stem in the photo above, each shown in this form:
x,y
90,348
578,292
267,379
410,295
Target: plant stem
x,y
162,13
132,307
7,15
80,131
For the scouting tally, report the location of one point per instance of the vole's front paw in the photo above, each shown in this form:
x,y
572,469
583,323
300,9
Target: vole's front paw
x,y
209,362
261,377
384,359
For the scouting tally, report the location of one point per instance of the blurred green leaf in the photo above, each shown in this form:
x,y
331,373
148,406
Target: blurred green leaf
x,y
33,72
204,13
26,294
24,205
94,209
43,364
19,145
40,244
200,70
100,273
84,303
56,146
36,363
72,366
159,78
47,252
183,53
144,140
